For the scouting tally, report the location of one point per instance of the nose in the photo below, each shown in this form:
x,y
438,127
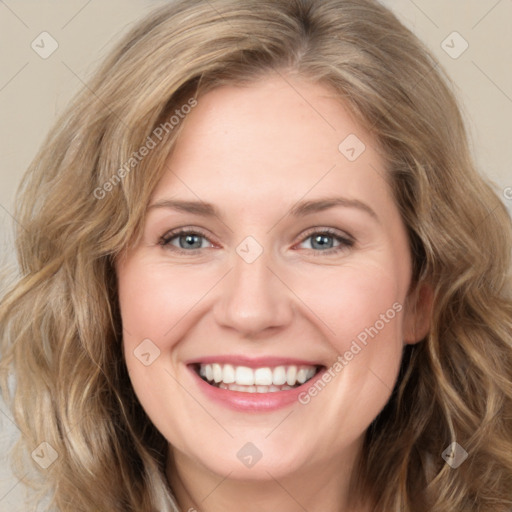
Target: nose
x,y
253,298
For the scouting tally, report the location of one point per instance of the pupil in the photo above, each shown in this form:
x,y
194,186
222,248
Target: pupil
x,y
321,239
189,241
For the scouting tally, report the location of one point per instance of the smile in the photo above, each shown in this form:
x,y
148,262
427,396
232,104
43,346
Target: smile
x,y
256,380
253,385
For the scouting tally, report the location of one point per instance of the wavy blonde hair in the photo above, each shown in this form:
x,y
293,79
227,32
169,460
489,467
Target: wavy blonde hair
x,y
61,326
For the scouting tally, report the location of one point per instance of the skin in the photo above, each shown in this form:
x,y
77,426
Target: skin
x,y
254,152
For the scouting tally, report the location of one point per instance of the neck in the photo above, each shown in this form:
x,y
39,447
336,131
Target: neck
x,y
318,488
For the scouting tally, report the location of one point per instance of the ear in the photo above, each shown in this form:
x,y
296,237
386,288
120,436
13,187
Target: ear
x,y
418,313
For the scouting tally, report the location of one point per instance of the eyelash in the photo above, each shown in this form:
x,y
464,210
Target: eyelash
x,y
345,242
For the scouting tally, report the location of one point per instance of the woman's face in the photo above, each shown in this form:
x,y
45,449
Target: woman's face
x,y
293,264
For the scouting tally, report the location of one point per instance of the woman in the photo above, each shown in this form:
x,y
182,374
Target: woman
x,y
176,346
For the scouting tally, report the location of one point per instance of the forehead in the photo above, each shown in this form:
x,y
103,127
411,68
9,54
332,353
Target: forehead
x,y
273,142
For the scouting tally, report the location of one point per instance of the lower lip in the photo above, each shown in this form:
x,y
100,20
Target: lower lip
x,y
253,402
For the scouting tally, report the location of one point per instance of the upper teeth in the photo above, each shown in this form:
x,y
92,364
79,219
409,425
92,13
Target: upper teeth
x,y
266,376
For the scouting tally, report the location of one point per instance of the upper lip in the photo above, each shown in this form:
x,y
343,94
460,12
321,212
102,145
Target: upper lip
x,y
253,362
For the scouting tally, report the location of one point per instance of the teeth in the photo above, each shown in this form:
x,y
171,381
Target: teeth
x,y
256,380
301,375
253,389
217,372
263,377
228,374
244,376
310,373
279,376
291,375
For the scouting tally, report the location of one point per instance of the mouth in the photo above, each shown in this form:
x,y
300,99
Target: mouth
x,y
260,380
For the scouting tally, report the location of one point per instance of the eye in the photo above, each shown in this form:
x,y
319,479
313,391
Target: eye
x,y
324,240
189,241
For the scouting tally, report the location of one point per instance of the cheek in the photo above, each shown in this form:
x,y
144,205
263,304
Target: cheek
x,y
151,304
155,299
154,303
160,304
361,306
353,299
362,309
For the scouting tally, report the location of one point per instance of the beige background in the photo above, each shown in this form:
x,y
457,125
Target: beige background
x,y
33,90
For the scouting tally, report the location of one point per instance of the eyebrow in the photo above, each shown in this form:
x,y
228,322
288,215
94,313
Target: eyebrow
x,y
300,209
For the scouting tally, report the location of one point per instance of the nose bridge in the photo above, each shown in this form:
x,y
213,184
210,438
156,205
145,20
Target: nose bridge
x,y
253,298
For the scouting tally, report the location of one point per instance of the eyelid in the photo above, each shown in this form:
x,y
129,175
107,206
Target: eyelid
x,y
173,233
331,231
346,240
